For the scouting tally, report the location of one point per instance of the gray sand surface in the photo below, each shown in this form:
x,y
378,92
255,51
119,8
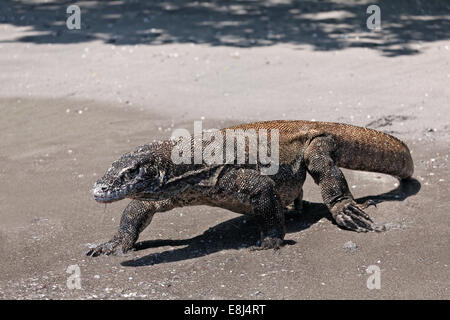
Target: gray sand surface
x,y
71,103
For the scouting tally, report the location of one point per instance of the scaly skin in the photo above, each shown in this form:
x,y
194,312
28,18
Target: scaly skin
x,y
149,177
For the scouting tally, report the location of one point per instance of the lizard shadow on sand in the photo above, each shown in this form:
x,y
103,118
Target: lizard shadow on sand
x,y
242,232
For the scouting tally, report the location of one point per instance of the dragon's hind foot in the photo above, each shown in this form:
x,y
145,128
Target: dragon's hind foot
x,y
351,216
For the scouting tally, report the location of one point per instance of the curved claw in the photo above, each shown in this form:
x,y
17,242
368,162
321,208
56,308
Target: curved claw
x,y
367,204
380,228
95,252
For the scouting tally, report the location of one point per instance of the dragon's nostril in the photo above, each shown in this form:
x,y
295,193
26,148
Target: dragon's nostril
x,y
100,189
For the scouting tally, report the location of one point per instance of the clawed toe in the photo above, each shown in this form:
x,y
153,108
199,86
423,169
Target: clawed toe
x,y
108,248
355,211
268,243
351,216
367,204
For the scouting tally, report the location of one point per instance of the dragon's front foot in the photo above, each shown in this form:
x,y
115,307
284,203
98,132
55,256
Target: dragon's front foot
x,y
115,246
348,214
268,243
272,239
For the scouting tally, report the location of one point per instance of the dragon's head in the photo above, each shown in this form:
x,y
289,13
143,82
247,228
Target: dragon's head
x,y
134,173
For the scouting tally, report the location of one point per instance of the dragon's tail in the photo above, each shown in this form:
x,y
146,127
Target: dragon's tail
x,y
370,150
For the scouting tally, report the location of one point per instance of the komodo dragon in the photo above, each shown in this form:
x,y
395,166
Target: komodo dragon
x,y
156,184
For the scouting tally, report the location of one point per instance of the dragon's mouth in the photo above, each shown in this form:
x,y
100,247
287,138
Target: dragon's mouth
x,y
101,194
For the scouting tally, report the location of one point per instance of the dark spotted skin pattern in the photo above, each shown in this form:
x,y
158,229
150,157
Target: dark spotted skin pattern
x,y
318,148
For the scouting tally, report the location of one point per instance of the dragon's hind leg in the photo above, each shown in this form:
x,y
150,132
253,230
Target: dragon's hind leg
x,y
334,188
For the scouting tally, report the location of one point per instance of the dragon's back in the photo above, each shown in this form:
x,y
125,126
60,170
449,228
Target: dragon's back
x,y
356,147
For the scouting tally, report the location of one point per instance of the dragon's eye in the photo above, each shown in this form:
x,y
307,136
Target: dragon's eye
x,y
133,172
129,173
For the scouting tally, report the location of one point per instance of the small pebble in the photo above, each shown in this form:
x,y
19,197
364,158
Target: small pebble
x,y
350,246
